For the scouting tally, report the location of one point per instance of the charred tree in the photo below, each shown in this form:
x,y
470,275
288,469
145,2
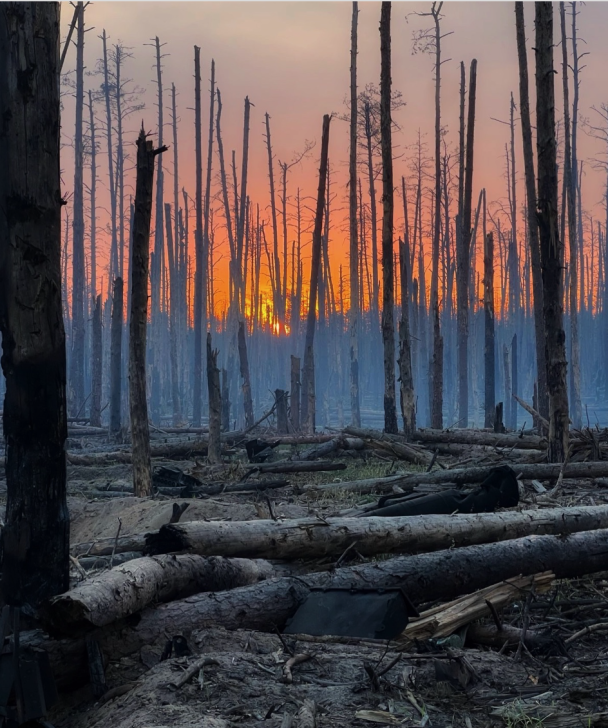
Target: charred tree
x,y
570,186
355,413
93,200
214,452
171,250
116,358
294,394
247,400
96,369
388,332
532,220
35,537
308,374
489,346
463,259
550,243
406,378
140,434
78,334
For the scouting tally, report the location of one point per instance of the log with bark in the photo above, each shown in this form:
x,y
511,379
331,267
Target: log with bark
x,y
267,606
131,587
307,538
287,466
480,437
393,444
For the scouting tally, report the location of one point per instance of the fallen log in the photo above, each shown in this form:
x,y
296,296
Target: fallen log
x,y
393,444
327,448
131,587
528,471
366,485
111,544
266,606
307,538
480,437
289,466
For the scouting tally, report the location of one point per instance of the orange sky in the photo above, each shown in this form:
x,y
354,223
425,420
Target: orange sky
x,y
292,60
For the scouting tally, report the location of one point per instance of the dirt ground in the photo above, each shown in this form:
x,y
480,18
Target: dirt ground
x,y
245,681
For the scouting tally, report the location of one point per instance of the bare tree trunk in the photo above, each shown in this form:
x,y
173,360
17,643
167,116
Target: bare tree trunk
x,y
575,365
490,349
173,309
550,244
294,395
437,359
247,401
463,260
373,214
78,335
388,332
116,359
280,398
96,368
140,242
93,191
278,310
533,239
308,374
214,451
35,537
406,379
225,398
354,308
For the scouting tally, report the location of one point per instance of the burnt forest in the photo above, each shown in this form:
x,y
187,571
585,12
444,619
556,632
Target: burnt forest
x,y
304,392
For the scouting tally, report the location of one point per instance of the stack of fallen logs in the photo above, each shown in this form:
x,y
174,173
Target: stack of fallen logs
x,y
243,575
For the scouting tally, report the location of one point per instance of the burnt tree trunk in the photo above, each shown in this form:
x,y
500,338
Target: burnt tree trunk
x,y
280,398
489,348
116,358
244,362
96,368
308,374
463,261
140,434
199,301
78,335
355,411
35,538
388,326
437,356
550,244
172,254
294,395
537,282
406,379
214,451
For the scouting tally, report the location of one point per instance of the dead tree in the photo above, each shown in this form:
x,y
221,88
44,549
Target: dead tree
x,y
200,274
355,413
92,199
308,374
78,333
96,369
116,358
278,301
172,254
388,333
214,451
294,393
533,239
35,537
575,364
550,243
406,378
489,346
244,362
140,434
463,260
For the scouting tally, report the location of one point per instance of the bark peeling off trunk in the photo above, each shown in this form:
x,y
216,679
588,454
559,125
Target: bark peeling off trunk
x,y
131,587
35,540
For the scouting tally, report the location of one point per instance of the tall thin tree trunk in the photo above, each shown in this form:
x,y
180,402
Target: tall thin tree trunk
x,y
489,348
278,310
96,366
571,191
463,260
78,334
93,201
214,451
388,330
308,374
437,359
173,310
355,411
550,244
116,359
533,234
373,213
140,434
407,397
35,536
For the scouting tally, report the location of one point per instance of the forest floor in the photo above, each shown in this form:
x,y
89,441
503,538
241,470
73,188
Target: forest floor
x,y
243,682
